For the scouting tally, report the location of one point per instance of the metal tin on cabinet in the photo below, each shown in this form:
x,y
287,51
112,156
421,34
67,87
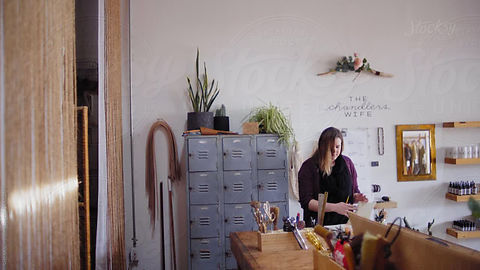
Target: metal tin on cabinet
x,y
203,188
204,221
270,153
272,185
237,153
202,154
237,186
238,217
206,253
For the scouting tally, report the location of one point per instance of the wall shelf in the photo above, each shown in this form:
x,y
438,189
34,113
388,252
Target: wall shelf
x,y
461,198
463,234
462,161
467,124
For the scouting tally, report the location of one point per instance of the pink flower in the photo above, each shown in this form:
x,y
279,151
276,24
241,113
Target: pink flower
x,y
357,63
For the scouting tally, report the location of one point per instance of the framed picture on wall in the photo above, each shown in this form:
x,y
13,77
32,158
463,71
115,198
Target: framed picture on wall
x,y
416,159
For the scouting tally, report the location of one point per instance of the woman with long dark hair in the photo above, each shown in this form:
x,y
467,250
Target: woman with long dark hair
x,y
329,171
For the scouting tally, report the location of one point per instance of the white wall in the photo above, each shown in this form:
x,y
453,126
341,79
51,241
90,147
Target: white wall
x,y
270,51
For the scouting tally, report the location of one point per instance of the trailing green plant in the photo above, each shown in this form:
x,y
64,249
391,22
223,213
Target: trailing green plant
x,y
221,111
272,120
204,94
474,206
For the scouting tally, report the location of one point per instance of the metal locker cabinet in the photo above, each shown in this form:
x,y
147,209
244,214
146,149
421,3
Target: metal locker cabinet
x,y
237,153
237,186
206,253
203,188
270,153
272,185
223,174
230,262
202,154
204,221
238,217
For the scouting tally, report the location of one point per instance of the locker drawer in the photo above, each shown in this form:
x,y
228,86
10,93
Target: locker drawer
x,y
202,154
203,188
205,253
230,262
238,217
237,153
270,153
272,185
238,186
204,221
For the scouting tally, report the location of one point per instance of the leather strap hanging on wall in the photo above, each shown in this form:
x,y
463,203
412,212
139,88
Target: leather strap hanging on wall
x,y
151,177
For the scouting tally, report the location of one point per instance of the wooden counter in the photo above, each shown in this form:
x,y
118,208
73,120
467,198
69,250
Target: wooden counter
x,y
245,249
412,250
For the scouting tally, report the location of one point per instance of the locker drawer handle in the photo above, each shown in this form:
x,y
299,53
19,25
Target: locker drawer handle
x,y
226,220
259,153
225,187
190,154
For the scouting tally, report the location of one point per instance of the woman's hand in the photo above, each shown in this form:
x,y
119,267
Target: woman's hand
x,y
343,208
359,197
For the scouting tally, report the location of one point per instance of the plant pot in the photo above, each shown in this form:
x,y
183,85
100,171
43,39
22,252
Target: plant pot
x,y
195,120
221,123
250,128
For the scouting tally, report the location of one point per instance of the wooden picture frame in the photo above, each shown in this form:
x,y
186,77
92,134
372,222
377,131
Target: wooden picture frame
x,y
416,155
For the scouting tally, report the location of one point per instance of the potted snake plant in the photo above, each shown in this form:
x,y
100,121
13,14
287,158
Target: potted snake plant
x,y
201,98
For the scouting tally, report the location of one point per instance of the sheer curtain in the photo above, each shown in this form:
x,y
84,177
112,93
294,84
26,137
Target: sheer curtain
x,y
110,251
38,163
